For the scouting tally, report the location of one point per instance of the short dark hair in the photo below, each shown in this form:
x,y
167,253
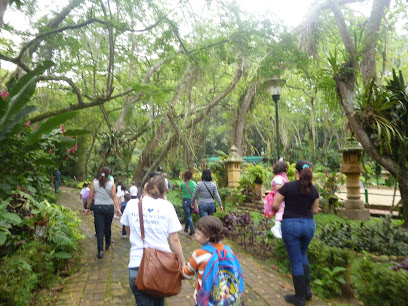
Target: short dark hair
x,y
212,227
188,175
206,175
127,197
280,166
85,185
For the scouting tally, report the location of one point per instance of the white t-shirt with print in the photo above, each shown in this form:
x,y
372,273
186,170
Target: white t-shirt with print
x,y
159,220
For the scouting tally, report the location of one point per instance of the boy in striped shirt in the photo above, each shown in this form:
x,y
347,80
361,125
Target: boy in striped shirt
x,y
208,230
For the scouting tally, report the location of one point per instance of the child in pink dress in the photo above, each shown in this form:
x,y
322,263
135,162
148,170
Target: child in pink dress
x,y
280,168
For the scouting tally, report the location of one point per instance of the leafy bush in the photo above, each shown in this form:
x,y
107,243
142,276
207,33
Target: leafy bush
x,y
376,284
256,173
36,262
241,227
329,285
17,281
328,184
382,237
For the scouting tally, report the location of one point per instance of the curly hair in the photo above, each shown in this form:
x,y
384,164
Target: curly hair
x,y
212,227
187,175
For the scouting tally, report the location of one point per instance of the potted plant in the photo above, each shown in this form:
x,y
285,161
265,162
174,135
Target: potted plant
x,y
257,175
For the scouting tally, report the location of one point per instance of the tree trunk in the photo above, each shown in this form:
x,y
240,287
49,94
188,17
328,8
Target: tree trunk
x,y
403,187
88,155
148,151
240,120
3,8
313,128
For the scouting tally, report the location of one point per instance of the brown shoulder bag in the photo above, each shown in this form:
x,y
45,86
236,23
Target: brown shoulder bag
x,y
159,272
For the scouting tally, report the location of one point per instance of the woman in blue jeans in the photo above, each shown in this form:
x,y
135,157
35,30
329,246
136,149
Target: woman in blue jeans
x,y
161,226
187,187
208,193
298,227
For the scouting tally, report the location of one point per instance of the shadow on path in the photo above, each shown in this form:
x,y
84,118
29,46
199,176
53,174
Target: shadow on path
x,y
105,281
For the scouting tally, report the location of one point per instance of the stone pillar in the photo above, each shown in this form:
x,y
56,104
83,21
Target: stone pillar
x,y
233,164
354,206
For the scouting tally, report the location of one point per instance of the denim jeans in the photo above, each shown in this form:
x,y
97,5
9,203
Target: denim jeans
x,y
206,209
188,210
103,221
142,299
297,234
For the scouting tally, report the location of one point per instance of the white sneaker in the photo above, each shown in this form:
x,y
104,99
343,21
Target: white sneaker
x,y
277,232
123,236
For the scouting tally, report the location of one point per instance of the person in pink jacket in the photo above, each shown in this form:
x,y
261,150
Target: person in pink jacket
x,y
280,168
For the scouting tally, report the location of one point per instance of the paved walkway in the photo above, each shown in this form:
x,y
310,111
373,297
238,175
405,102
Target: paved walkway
x,y
105,281
376,196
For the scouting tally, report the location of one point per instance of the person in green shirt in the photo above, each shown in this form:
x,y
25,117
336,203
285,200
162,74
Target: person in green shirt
x,y
187,187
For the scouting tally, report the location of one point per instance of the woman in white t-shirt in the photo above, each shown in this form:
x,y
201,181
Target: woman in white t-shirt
x,y
160,223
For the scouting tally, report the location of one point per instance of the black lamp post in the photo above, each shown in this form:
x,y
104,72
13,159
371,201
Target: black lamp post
x,y
275,86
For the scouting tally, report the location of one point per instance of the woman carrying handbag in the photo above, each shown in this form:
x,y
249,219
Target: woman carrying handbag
x,y
159,223
208,193
188,206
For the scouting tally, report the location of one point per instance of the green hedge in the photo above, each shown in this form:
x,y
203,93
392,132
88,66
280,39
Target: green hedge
x,y
23,271
376,284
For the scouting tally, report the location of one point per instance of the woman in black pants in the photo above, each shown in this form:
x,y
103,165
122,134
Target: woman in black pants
x,y
103,191
298,227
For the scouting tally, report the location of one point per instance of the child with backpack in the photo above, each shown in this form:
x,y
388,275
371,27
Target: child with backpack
x,y
84,195
219,273
280,168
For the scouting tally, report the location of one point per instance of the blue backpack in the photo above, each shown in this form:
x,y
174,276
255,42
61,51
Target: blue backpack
x,y
222,279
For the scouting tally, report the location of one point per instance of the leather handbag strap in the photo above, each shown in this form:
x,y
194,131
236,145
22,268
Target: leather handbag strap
x,y
142,233
188,188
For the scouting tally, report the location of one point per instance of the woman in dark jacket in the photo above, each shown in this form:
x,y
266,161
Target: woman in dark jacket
x,y
298,227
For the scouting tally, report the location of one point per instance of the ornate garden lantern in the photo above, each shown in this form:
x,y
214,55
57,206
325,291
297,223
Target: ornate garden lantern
x,y
233,163
354,206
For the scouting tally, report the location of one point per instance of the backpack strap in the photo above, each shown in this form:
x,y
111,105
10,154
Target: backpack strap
x,y
209,248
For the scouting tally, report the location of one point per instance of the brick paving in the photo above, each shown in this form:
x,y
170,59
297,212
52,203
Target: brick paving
x,y
105,281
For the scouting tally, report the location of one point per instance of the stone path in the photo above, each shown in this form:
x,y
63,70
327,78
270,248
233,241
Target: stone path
x,y
105,281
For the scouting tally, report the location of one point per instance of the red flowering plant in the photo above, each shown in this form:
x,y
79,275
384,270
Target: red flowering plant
x,y
30,151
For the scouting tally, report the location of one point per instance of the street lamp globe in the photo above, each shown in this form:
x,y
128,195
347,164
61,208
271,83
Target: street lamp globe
x,y
274,87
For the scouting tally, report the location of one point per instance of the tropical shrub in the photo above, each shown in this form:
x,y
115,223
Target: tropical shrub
x,y
375,284
241,227
51,241
381,237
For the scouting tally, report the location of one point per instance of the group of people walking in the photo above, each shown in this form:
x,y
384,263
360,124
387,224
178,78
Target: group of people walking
x,y
294,204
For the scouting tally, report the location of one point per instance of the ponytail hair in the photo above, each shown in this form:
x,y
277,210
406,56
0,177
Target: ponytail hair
x,y
305,176
103,176
156,187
